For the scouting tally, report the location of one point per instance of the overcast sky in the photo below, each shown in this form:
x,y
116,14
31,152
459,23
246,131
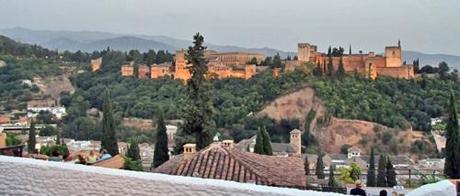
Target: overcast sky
x,y
431,26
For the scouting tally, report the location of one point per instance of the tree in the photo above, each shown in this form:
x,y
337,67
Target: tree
x,y
320,166
332,181
306,164
391,174
32,140
198,112
355,171
452,163
47,131
330,66
277,61
443,70
259,146
161,145
133,150
109,140
341,70
267,145
381,175
371,171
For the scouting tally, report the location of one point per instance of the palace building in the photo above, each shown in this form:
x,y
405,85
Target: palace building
x,y
220,65
371,64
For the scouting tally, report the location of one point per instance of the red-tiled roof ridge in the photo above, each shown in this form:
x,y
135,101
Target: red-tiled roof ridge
x,y
218,162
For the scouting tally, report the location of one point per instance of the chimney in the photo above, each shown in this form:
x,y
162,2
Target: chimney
x,y
189,151
295,140
228,144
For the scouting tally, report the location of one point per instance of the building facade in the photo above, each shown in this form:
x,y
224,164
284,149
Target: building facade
x,y
370,64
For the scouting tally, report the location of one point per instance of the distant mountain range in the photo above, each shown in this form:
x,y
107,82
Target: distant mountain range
x,y
89,41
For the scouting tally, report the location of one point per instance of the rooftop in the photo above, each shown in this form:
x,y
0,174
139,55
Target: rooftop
x,y
218,162
23,176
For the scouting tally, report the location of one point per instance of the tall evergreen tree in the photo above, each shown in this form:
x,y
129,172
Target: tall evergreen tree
x,y
391,174
332,181
259,146
306,165
198,112
330,65
109,140
371,171
320,166
452,163
161,146
341,70
133,150
267,145
32,140
381,175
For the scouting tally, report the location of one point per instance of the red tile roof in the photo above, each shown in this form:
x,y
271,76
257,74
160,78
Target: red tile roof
x,y
217,162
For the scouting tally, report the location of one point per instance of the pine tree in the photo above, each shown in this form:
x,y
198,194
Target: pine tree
x,y
259,147
391,174
267,145
341,70
161,146
320,166
198,112
32,140
306,165
381,175
109,140
452,163
332,181
371,170
133,150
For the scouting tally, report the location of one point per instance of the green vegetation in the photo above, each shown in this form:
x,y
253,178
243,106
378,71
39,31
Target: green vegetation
x,y
263,144
109,141
350,174
60,149
381,172
198,109
391,174
133,150
160,154
452,166
32,140
12,140
306,165
332,182
371,171
320,166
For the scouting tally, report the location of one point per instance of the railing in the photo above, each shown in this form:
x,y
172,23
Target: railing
x,y
15,151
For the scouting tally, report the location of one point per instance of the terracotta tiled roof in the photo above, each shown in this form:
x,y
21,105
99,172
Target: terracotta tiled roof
x,y
218,162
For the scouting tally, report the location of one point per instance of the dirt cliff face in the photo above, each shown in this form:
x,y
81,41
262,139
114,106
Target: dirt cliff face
x,y
332,132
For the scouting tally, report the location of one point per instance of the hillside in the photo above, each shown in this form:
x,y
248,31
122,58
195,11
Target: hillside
x,y
334,133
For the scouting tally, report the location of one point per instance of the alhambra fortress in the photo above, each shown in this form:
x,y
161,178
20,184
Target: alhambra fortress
x,y
241,64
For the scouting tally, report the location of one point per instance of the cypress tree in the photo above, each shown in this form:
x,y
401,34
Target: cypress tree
x,y
259,147
32,140
109,140
391,174
133,150
161,146
371,170
332,182
381,175
198,112
452,163
341,69
267,145
320,166
306,165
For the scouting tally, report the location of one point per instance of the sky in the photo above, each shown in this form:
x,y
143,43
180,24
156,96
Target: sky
x,y
431,26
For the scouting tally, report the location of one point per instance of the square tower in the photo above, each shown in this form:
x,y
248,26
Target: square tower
x,y
305,52
393,56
